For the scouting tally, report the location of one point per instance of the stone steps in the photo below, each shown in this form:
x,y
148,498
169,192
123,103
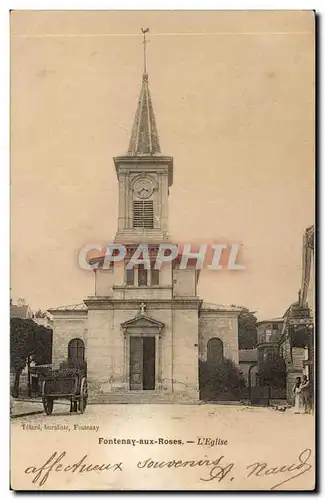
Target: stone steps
x,y
140,397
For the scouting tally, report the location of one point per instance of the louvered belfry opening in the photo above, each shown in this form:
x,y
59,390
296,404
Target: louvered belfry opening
x,y
143,214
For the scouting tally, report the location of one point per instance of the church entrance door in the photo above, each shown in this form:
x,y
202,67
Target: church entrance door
x,y
142,363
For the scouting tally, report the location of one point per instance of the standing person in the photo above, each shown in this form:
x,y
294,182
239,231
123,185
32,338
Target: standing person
x,y
305,394
297,392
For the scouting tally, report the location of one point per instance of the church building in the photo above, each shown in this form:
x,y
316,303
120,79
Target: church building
x,y
143,332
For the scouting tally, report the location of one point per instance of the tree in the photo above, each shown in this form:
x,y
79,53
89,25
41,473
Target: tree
x,y
41,352
247,329
20,346
40,314
216,378
29,342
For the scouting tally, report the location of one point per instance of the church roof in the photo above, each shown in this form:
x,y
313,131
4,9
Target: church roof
x,y
72,307
272,320
206,306
144,138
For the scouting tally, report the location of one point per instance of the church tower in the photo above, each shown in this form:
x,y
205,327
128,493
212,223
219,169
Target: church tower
x,y
145,176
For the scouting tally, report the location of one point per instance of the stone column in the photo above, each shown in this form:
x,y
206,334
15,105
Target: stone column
x,y
122,202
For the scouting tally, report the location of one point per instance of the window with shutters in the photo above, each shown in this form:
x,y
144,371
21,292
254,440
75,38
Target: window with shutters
x,y
142,276
129,276
76,352
154,276
143,214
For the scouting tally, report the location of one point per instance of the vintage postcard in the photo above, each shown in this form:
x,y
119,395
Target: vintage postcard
x,y
162,304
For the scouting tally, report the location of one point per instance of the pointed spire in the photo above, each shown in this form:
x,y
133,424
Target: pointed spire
x,y
144,139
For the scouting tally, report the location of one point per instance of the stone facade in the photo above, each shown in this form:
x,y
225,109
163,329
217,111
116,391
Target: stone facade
x,y
144,335
182,329
68,323
222,323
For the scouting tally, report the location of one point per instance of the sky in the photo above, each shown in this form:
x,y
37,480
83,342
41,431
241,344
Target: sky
x,y
233,95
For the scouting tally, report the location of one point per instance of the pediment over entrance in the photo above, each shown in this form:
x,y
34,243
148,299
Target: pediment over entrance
x,y
144,323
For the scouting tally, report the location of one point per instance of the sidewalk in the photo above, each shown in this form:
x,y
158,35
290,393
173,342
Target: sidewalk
x,y
24,407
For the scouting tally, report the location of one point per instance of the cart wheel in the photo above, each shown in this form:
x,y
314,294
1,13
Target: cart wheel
x,y
48,405
83,395
73,407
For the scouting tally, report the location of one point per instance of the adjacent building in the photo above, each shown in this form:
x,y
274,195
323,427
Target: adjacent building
x,y
297,336
248,366
268,336
20,310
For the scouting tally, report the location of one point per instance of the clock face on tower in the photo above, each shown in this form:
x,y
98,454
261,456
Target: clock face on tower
x,y
143,188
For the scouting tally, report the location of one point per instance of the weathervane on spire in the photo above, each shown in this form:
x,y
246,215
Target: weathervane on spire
x,y
145,41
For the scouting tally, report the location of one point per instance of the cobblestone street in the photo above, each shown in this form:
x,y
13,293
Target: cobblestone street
x,y
243,435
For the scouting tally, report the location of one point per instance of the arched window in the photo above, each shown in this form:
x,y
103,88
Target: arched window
x,y
215,351
76,352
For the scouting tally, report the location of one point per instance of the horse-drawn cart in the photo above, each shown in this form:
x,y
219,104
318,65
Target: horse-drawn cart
x,y
68,384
